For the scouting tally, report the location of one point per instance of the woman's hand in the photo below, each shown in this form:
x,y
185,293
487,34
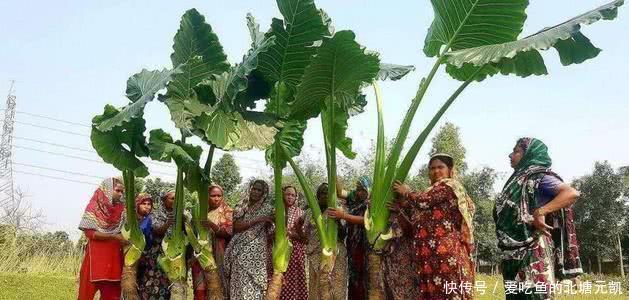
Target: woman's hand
x,y
120,238
263,220
400,189
394,207
539,221
335,213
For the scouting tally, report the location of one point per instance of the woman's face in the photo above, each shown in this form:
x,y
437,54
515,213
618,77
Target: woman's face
x,y
169,200
361,193
117,192
216,197
322,197
256,192
516,155
145,208
438,170
290,196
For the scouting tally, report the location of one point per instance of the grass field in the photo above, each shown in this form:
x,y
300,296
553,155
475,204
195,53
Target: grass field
x,y
24,286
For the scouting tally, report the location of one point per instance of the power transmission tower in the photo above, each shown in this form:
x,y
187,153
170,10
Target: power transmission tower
x,y
6,160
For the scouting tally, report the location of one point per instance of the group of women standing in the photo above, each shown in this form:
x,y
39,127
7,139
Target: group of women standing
x,y
430,250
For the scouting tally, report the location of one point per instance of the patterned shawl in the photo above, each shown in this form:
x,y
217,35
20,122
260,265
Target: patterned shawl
x,y
466,208
160,215
514,219
101,214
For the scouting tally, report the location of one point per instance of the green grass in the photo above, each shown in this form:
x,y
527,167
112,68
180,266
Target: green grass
x,y
55,286
37,286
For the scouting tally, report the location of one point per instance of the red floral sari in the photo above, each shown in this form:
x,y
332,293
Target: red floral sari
x,y
443,241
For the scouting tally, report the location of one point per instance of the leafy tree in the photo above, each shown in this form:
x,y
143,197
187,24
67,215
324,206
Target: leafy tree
x,y
448,140
599,212
226,174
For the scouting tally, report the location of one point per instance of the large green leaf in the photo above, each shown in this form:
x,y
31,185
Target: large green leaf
x,y
141,89
163,148
123,144
198,54
393,72
339,69
230,131
522,58
294,38
228,84
342,141
291,138
461,24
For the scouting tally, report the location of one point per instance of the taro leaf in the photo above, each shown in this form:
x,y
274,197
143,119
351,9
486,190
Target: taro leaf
x,y
291,138
122,145
198,54
227,85
141,89
393,72
303,25
343,142
338,71
522,57
462,24
229,130
163,148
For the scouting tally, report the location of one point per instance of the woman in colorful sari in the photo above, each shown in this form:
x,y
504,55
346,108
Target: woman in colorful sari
x,y
102,221
534,222
143,207
441,219
398,258
153,283
356,239
313,250
294,286
246,264
220,223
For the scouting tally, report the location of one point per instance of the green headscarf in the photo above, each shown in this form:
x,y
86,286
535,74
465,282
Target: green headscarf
x,y
365,182
512,215
535,154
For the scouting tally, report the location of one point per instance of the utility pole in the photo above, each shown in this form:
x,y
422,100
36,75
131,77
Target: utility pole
x,y
7,194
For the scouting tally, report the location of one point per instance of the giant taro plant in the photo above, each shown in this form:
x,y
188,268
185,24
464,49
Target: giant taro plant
x,y
118,138
474,40
212,99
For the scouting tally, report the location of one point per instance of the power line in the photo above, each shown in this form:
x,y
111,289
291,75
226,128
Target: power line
x,y
77,157
51,118
57,170
53,129
54,144
55,177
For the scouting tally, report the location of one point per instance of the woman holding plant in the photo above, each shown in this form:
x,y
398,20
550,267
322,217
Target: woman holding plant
x,y
442,229
356,239
102,222
338,280
219,220
153,282
534,221
245,266
294,286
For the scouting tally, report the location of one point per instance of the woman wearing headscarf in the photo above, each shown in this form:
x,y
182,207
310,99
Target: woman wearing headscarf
x,y
442,229
246,264
313,252
294,286
153,283
534,221
102,222
220,223
356,239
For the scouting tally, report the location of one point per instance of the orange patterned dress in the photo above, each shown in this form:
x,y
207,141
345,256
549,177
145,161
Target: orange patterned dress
x,y
442,242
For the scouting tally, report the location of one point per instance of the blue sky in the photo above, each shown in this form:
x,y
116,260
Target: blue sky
x,y
70,58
